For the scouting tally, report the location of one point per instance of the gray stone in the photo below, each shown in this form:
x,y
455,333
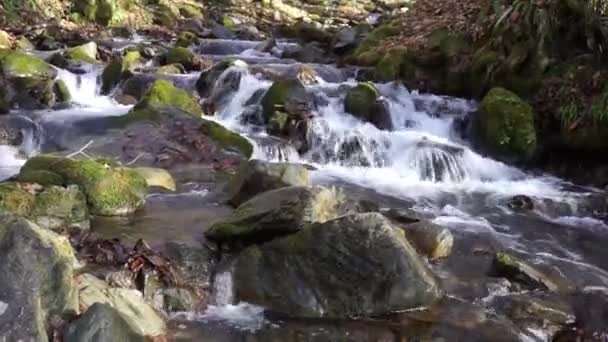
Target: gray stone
x,y
101,323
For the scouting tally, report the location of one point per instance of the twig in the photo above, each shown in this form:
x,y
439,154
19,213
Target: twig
x,y
135,159
81,151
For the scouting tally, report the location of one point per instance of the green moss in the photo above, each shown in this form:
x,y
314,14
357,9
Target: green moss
x,y
170,69
24,44
506,125
228,22
190,11
389,67
162,94
42,177
278,122
109,191
62,93
275,96
375,38
17,64
185,39
361,100
181,55
68,206
15,200
119,69
84,53
226,138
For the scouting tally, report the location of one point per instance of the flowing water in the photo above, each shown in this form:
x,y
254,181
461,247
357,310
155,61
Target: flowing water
x,y
423,164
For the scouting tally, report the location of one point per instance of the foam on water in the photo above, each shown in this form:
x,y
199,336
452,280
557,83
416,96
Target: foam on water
x,y
85,90
243,316
11,161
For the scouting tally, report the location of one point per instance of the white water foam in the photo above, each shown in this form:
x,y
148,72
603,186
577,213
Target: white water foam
x,y
243,316
11,161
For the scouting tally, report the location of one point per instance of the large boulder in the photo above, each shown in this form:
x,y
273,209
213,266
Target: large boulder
x,y
255,177
364,102
28,82
129,304
504,126
281,211
109,190
101,323
36,279
353,266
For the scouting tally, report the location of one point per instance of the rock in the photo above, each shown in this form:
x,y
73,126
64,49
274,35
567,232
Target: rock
x,y
226,138
170,69
86,53
504,126
110,191
255,177
183,56
516,269
141,318
57,207
42,177
430,239
156,177
100,323
281,211
195,264
24,44
356,265
590,307
36,279
16,200
178,300
185,39
344,39
522,202
221,32
29,82
162,94
6,42
224,87
206,82
119,69
363,102
115,13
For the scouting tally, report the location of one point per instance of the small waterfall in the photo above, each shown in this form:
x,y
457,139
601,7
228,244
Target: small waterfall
x,y
85,88
438,165
223,288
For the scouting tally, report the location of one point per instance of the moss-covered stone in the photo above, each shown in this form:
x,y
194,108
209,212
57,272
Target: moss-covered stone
x,y
24,44
389,67
62,93
226,138
109,190
42,177
185,39
170,69
156,177
21,65
6,42
86,53
119,69
276,97
189,10
57,207
163,94
208,78
505,126
15,200
183,56
375,38
363,102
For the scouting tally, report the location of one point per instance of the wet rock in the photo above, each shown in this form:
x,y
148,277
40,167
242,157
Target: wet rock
x,y
504,126
178,300
170,69
195,264
36,279
430,239
24,44
256,176
267,45
281,211
517,270
58,208
227,139
311,273
15,199
185,39
363,102
101,322
28,82
162,94
206,82
224,87
119,69
185,57
521,202
309,53
345,39
590,307
221,32
86,53
6,42
156,177
110,191
128,304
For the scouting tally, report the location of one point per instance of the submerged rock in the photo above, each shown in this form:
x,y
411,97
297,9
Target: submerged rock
x,y
504,126
363,102
110,191
141,318
256,176
281,211
520,271
356,265
36,279
430,239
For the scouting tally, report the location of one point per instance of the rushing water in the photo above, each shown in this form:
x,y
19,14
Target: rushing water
x,y
423,160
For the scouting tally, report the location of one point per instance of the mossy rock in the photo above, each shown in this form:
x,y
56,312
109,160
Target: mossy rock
x,y
183,56
119,69
170,69
389,67
280,94
86,53
110,191
164,94
207,79
363,102
504,126
156,177
226,138
15,200
186,39
21,65
57,207
190,11
375,37
6,42
42,177
448,43
24,44
62,93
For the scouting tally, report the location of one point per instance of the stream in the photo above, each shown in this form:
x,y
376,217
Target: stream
x,y
424,164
